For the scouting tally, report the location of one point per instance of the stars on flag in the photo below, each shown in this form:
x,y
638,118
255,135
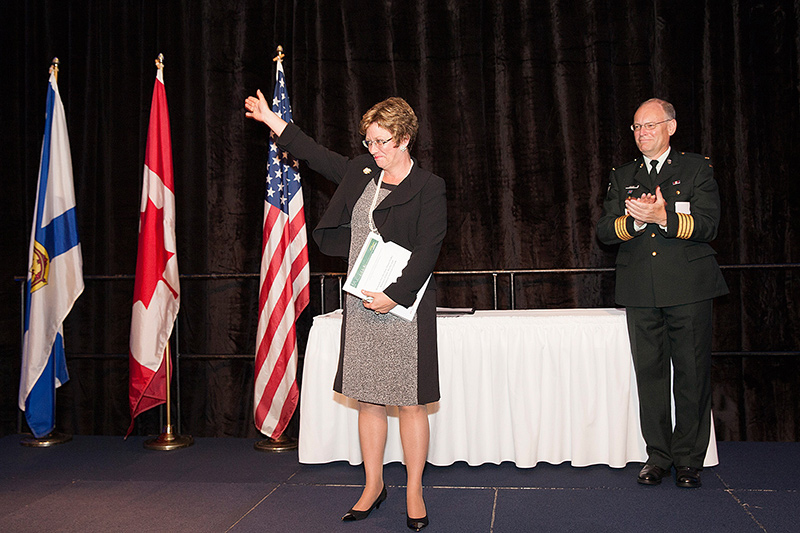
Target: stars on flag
x,y
283,178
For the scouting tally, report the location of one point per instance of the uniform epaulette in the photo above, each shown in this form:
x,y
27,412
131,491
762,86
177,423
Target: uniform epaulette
x,y
620,167
704,158
692,155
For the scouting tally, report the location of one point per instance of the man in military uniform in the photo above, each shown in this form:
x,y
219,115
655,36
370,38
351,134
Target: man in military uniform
x,y
663,209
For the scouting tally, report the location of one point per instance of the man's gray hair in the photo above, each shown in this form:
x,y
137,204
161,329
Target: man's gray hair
x,y
668,108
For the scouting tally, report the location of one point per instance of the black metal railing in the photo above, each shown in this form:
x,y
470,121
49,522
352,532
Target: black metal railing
x,y
338,278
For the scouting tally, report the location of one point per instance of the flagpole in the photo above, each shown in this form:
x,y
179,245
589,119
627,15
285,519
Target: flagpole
x,y
54,437
283,443
168,440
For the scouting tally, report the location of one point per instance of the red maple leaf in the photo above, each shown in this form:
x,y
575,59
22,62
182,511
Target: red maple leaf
x,y
152,257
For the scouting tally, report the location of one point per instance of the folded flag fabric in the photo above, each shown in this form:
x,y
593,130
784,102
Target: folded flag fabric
x,y
284,277
156,292
55,276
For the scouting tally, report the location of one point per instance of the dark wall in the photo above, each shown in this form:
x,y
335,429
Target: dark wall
x,y
524,108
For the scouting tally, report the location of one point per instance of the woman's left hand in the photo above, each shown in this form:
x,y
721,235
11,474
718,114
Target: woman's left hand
x,y
378,302
259,109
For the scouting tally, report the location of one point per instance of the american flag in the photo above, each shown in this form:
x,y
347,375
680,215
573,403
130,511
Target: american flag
x,y
283,291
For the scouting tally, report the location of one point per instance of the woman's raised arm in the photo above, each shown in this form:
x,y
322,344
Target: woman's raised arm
x,y
258,109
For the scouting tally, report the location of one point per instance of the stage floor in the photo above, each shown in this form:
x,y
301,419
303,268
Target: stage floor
x,y
104,484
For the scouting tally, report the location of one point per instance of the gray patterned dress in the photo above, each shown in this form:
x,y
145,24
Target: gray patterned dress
x,y
379,352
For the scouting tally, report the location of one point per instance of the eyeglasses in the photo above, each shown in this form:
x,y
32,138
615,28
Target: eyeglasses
x,y
380,143
649,126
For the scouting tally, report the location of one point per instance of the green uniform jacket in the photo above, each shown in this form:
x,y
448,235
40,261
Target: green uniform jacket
x,y
658,268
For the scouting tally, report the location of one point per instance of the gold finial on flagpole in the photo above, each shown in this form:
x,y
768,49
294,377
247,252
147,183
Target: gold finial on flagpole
x,y
280,55
160,61
54,67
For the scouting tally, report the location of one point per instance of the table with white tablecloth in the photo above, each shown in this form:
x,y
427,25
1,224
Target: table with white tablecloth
x,y
522,386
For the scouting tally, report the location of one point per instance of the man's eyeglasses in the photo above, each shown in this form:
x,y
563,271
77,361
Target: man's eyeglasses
x,y
649,126
380,143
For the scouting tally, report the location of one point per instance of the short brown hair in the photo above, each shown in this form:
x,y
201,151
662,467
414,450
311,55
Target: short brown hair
x,y
395,116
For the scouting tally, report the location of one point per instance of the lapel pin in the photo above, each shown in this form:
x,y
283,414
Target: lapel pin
x,y
367,170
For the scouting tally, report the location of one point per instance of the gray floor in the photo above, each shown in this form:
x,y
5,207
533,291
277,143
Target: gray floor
x,y
109,484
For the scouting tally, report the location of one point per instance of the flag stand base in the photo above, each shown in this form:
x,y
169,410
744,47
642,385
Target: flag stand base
x,y
281,444
169,441
51,439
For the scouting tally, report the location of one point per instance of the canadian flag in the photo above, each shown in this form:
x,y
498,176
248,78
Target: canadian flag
x,y
156,292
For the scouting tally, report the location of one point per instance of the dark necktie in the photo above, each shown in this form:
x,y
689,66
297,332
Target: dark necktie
x,y
653,172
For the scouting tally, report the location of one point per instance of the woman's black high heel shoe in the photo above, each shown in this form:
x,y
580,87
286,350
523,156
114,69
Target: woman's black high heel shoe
x,y
353,515
416,523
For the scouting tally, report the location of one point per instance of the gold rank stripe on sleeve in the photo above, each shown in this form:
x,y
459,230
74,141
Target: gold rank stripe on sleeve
x,y
685,226
621,228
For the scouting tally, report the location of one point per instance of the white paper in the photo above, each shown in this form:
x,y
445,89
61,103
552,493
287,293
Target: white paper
x,y
377,266
683,207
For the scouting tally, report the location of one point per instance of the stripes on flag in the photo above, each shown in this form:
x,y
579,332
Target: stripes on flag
x,y
284,278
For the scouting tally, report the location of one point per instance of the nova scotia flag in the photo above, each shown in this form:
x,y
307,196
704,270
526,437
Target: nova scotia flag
x,y
55,276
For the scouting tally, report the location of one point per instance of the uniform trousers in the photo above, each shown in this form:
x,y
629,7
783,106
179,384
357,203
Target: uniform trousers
x,y
671,349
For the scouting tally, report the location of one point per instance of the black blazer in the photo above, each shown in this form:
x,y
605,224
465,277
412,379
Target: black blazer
x,y
658,268
414,215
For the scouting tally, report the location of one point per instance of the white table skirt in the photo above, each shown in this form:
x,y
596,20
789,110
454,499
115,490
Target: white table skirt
x,y
523,386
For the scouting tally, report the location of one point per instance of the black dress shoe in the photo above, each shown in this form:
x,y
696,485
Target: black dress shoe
x,y
688,477
652,475
353,515
416,523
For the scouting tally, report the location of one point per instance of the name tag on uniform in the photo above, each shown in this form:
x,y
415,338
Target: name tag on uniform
x,y
683,207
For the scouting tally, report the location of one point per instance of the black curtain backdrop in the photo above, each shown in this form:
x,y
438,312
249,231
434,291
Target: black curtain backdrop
x,y
524,108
